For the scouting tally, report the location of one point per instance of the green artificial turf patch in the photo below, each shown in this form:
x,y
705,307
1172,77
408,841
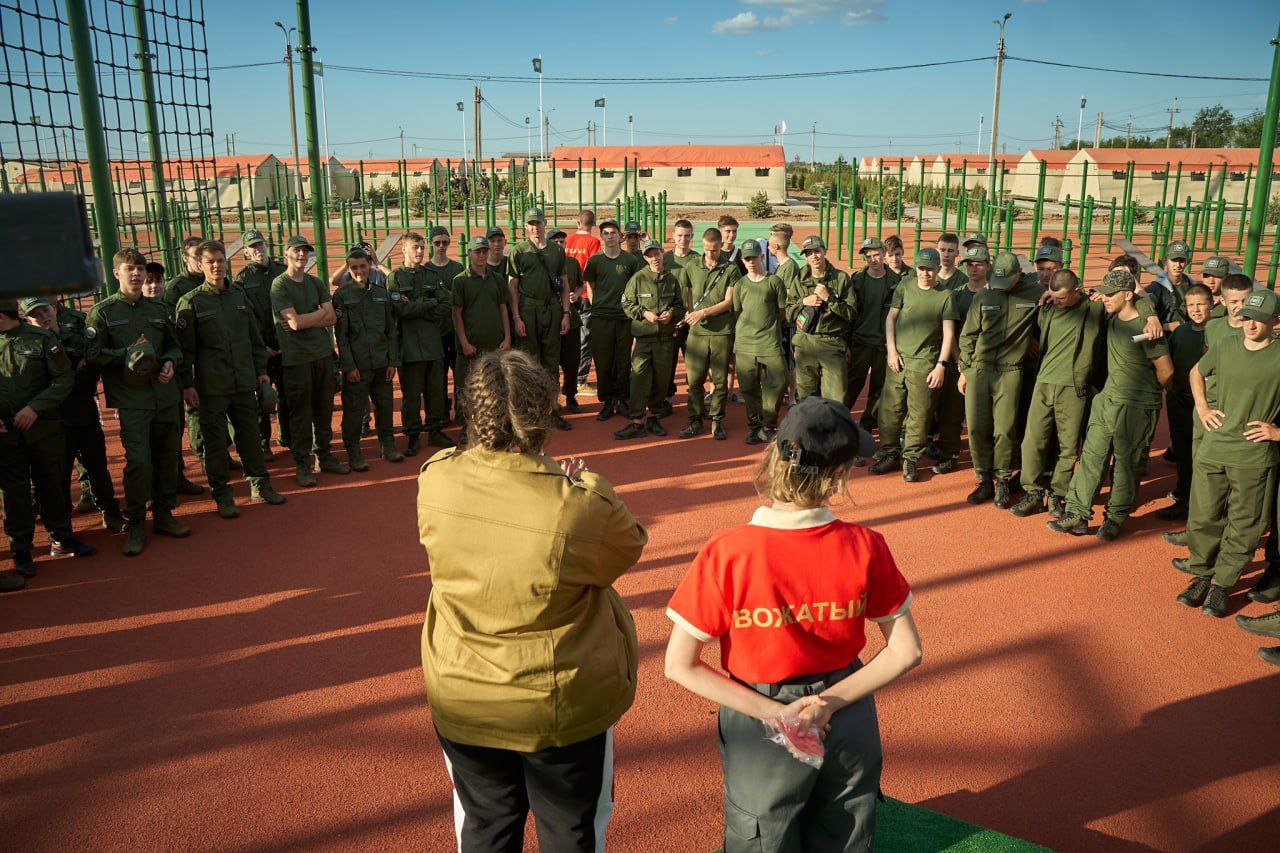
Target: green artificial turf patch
x,y
904,827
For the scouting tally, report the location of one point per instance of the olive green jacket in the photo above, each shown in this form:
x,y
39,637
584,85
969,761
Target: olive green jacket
x,y
421,301
35,372
222,349
256,281
367,335
656,292
110,329
525,644
841,308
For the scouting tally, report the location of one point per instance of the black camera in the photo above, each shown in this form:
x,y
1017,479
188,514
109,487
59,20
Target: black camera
x,y
45,246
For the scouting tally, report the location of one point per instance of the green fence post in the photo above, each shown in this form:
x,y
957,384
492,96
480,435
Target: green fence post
x,y
1111,225
902,196
1244,208
554,184
1037,213
594,202
946,193
1066,254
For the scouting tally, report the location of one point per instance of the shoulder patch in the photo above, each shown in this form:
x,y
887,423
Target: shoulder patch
x,y
395,296
90,332
181,322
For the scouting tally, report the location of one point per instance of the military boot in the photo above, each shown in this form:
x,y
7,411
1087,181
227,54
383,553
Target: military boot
x,y
330,464
266,493
11,583
1004,493
304,475
164,524
1264,626
1215,603
1073,524
112,519
885,461
1032,503
1194,594
390,453
135,538
355,458
984,492
1267,589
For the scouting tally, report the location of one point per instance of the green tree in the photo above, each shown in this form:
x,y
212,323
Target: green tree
x,y
1212,126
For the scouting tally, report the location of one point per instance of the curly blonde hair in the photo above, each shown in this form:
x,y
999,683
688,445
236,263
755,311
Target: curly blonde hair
x,y
776,478
508,402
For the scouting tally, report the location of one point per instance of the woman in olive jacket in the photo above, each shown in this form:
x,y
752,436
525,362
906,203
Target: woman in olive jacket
x,y
529,655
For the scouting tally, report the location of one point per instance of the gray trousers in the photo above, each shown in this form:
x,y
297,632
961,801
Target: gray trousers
x,y
774,802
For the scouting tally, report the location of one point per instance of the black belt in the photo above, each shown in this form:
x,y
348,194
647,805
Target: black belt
x,y
820,681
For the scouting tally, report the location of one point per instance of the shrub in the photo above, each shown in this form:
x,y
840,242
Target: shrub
x,y
758,206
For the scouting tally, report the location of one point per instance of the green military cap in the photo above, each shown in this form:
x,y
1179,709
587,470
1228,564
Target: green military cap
x,y
1049,253
1177,251
252,238
534,214
1262,305
871,243
610,223
297,241
752,249
268,399
140,358
633,227
650,245
1004,271
1117,280
811,243
8,306
31,303
437,231
1217,266
477,242
495,231
974,237
928,258
977,253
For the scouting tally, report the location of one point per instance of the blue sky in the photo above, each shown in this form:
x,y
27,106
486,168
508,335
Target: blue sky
x,y
904,112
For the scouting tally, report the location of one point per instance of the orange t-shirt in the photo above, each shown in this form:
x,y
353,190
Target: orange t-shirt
x,y
789,594
580,247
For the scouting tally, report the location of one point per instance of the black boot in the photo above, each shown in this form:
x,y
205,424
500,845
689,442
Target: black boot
x,y
984,492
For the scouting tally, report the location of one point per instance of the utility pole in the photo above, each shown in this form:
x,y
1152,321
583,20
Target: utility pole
x,y
1097,132
477,127
293,110
528,139
631,125
402,143
542,116
462,109
546,134
813,138
1080,125
995,109
1173,110
1262,186
306,51
1128,133
1057,132
1193,137
981,120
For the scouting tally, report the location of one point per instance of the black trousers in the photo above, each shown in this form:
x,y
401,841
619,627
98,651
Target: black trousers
x,y
570,355
88,445
569,789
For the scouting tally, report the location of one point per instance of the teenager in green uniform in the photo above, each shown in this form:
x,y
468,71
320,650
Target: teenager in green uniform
x,y
35,378
303,310
570,341
81,422
822,306
1235,463
977,264
224,364
259,272
632,236
481,322
652,300
675,260
950,275
1213,272
999,331
174,289
368,354
787,270
1072,338
539,299
421,301
607,274
1186,345
873,286
442,270
709,289
1167,289
1048,260
760,304
1123,416
920,337
131,338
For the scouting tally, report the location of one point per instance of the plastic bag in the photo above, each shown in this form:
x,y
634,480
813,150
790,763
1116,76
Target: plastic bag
x,y
801,740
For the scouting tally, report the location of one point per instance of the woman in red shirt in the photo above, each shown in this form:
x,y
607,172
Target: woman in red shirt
x,y
787,596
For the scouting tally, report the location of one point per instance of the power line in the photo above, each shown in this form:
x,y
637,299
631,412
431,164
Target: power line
x,y
1138,73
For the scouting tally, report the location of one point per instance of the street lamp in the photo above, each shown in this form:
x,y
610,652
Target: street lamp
x,y
528,139
542,116
293,110
1080,125
631,125
995,109
462,114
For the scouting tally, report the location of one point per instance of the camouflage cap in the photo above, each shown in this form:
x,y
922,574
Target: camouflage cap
x,y
1049,253
31,303
252,238
1005,270
1262,305
1177,251
478,242
268,398
977,252
1117,280
534,214
1217,266
928,259
650,245
140,358
811,243
633,227
751,249
974,237
871,243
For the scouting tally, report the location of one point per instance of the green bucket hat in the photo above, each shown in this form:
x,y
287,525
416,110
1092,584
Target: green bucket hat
x,y
1217,266
1117,281
928,258
977,252
1004,271
1262,305
1177,251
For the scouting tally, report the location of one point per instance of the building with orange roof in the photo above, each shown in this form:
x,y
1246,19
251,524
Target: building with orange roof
x,y
967,169
1162,175
1025,182
723,174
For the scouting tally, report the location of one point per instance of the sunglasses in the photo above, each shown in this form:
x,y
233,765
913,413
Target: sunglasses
x,y
439,242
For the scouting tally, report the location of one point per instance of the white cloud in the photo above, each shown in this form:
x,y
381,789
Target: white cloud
x,y
858,17
765,51
747,23
670,21
851,13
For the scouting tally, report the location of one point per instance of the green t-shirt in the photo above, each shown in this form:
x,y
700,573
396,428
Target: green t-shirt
x,y
444,276
482,299
534,266
673,263
958,279
918,330
1062,333
789,272
1248,390
874,296
303,297
758,304
1186,345
609,277
1131,377
707,288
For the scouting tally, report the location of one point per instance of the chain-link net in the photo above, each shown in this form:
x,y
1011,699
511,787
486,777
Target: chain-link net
x,y
43,145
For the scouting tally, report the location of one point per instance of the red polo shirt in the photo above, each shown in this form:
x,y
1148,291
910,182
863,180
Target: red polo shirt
x,y
789,594
580,247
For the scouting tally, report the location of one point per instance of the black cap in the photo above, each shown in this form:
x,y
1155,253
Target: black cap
x,y
556,233
495,231
437,231
820,433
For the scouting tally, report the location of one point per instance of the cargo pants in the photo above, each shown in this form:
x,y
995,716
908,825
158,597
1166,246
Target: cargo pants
x,y
820,366
1229,511
611,349
1055,423
906,406
241,410
762,379
703,355
152,443
991,410
1115,428
650,366
867,361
